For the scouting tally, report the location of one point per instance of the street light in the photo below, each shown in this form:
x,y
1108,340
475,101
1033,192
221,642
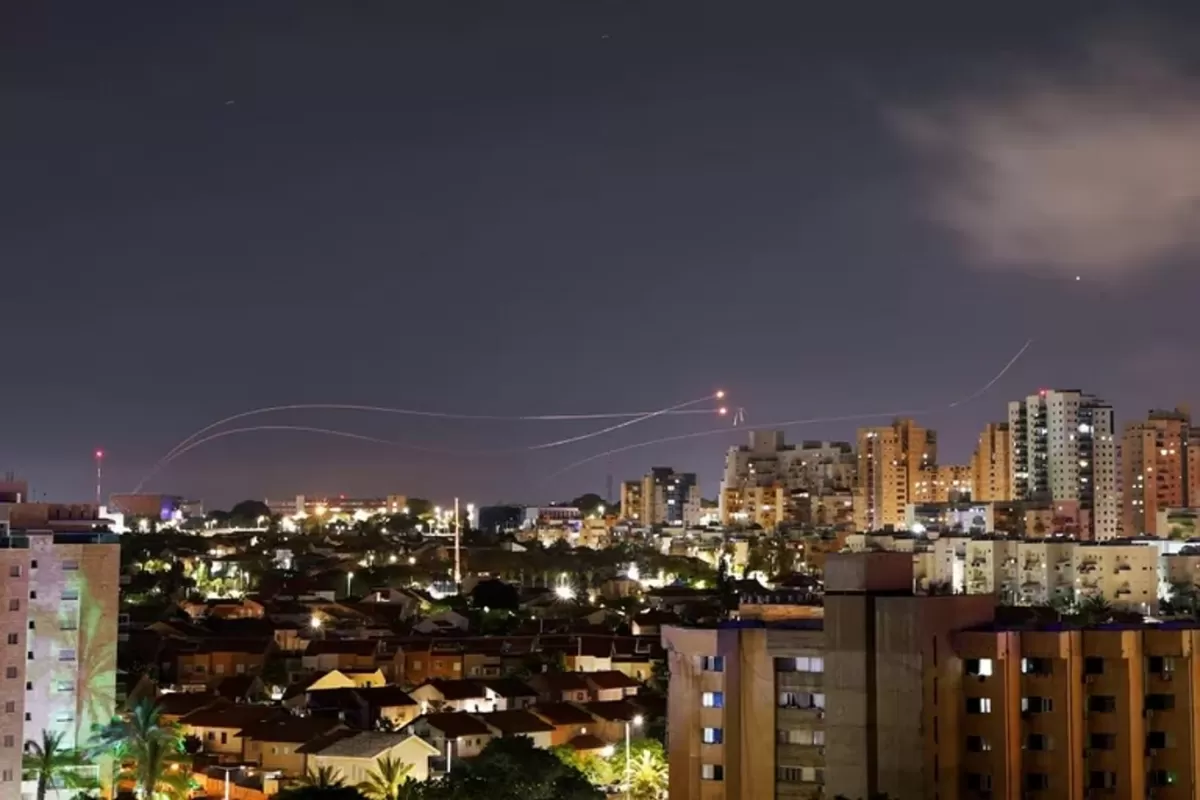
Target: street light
x,y
636,722
227,769
349,578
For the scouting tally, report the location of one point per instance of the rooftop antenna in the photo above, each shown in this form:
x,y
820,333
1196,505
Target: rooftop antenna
x,y
99,473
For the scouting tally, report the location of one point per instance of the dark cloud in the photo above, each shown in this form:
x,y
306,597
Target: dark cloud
x,y
1092,169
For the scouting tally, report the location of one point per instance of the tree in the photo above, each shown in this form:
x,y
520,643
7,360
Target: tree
x,y
151,752
54,766
495,594
648,777
384,782
589,503
1094,609
248,512
647,769
513,768
323,778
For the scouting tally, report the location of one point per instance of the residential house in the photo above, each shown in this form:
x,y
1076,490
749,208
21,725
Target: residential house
x,y
219,727
274,743
426,660
464,734
340,654
520,723
612,716
562,687
443,622
611,685
241,689
460,695
569,721
208,661
510,693
389,704
354,757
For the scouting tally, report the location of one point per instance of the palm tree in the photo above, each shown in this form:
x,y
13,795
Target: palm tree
x,y
150,751
648,778
54,766
323,778
384,782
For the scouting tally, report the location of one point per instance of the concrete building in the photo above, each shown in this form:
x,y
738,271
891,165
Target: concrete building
x,y
817,467
794,709
58,637
1158,470
745,707
664,497
765,506
891,461
1064,456
162,507
991,465
945,483
1060,712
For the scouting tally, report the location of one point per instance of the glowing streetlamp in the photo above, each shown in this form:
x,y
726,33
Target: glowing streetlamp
x,y
349,579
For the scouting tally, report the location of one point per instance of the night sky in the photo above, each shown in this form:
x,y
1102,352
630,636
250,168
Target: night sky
x,y
518,208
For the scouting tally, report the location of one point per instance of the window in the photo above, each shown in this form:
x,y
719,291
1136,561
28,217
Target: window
x,y
33,594
979,705
979,782
70,565
64,686
64,717
1093,665
1037,705
66,654
713,699
14,605
980,667
1035,781
713,736
14,638
1102,741
70,594
14,571
712,663
803,736
977,744
6,775
1156,740
33,564
1160,702
1037,741
1161,666
800,664
1035,666
9,741
712,772
1163,777
1102,780
10,707
10,672
1105,703
416,664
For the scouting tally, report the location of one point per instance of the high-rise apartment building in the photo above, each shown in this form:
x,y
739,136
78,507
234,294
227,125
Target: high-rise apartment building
x,y
891,463
991,465
944,483
1158,472
58,636
801,709
1061,712
768,463
1064,456
662,497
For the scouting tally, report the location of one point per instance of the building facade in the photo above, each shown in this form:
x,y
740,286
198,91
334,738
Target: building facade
x,y
1158,470
1064,457
662,497
59,612
991,465
891,462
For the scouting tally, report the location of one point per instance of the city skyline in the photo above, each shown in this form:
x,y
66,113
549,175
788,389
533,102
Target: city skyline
x,y
388,205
